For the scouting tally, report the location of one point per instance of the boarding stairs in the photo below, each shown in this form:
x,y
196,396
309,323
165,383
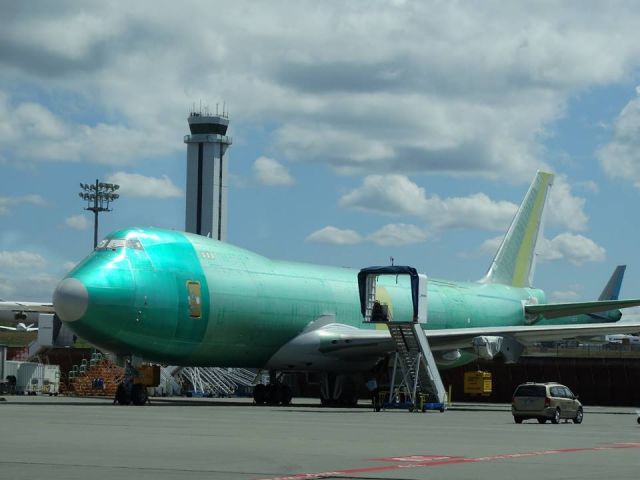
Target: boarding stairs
x,y
414,367
415,361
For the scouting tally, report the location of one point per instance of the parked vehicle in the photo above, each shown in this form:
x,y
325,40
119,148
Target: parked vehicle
x,y
545,401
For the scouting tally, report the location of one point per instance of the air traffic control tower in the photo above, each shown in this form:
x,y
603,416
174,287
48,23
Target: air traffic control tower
x,y
206,212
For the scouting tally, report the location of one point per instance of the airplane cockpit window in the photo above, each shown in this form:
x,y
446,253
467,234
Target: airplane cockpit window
x,y
115,243
134,243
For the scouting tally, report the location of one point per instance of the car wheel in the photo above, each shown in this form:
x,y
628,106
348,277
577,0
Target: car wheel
x,y
517,419
579,416
556,416
638,419
542,420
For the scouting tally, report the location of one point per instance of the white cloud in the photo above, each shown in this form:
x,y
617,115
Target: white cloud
x,y
336,236
21,259
395,234
392,194
398,195
6,203
620,158
31,132
398,234
564,209
77,222
575,249
474,211
491,245
272,173
33,286
334,93
136,185
561,296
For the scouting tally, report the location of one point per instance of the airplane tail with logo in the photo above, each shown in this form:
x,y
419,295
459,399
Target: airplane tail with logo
x,y
612,289
514,262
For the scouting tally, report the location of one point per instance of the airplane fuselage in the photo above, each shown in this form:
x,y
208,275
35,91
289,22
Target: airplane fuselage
x,y
185,299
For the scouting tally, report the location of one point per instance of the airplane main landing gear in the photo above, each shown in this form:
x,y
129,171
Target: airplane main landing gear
x,y
272,394
338,390
276,393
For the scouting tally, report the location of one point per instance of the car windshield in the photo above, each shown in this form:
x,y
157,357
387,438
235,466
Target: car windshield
x,y
530,391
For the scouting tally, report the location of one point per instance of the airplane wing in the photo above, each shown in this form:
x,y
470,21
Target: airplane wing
x,y
556,310
27,307
527,335
346,341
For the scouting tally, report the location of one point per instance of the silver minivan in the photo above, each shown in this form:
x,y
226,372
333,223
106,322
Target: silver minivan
x,y
545,401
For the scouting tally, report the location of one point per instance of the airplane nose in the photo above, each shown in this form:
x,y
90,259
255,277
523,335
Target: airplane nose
x,y
70,300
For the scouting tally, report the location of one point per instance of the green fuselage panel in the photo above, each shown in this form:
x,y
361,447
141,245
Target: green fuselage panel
x,y
146,301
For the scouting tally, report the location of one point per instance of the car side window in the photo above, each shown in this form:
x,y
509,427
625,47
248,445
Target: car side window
x,y
556,392
568,393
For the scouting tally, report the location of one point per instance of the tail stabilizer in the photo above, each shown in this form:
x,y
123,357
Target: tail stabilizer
x,y
612,289
514,262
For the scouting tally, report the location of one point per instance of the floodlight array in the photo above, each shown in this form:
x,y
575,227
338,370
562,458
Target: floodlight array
x,y
99,195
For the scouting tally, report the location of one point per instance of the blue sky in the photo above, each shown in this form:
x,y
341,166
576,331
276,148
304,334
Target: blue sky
x,y
407,129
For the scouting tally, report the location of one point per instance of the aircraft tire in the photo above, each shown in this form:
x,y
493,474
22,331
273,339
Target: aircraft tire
x,y
122,396
285,395
260,394
274,394
139,394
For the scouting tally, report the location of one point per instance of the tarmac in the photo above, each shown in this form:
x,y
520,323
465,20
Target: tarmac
x,y
72,438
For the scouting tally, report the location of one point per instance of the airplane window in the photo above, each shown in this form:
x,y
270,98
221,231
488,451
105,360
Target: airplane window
x,y
114,243
134,243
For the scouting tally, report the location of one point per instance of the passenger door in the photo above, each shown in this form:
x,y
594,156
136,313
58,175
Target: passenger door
x,y
559,400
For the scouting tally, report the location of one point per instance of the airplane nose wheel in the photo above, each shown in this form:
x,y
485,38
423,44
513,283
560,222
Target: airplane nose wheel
x,y
129,392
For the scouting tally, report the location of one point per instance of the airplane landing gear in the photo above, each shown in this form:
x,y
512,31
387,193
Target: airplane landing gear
x,y
276,393
338,390
130,390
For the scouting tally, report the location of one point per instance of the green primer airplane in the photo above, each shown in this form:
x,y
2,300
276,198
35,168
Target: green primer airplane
x,y
183,299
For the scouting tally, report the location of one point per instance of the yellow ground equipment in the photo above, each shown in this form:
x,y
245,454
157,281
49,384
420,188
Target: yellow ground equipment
x,y
477,383
148,375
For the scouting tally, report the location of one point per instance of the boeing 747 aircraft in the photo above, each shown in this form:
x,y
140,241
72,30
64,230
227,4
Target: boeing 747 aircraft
x,y
183,299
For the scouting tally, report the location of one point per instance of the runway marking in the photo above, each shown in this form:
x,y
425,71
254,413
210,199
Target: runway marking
x,y
423,461
416,458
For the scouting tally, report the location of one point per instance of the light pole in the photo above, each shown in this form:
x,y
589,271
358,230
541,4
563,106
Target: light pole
x,y
98,197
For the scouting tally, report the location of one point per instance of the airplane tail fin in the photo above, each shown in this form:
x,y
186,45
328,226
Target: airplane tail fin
x,y
514,262
612,289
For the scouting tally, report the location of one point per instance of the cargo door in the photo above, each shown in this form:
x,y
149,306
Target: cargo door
x,y
192,309
195,298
